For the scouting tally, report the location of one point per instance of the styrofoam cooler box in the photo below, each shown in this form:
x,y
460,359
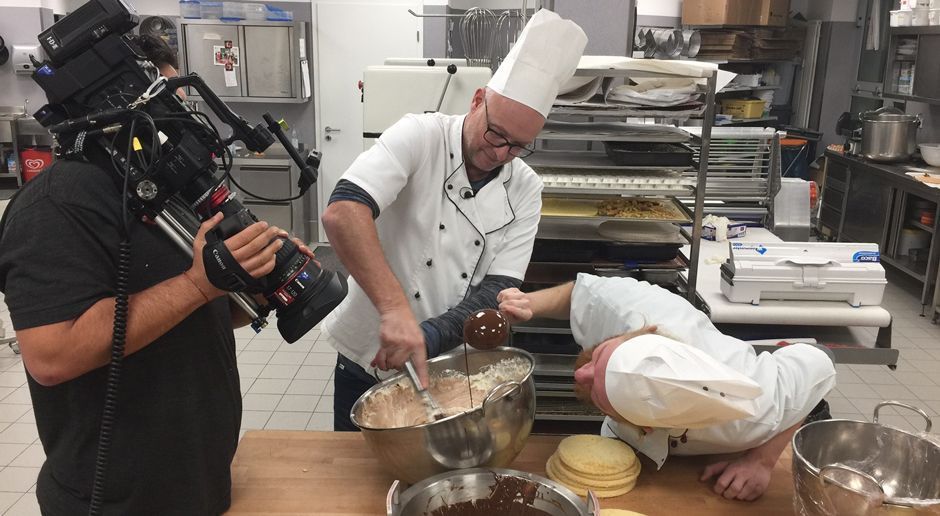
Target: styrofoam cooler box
x,y
814,271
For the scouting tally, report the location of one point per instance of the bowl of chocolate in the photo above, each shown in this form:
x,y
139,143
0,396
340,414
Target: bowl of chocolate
x,y
488,400
486,492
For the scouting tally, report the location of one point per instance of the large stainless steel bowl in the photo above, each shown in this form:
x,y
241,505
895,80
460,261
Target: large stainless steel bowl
x,y
861,468
490,435
477,484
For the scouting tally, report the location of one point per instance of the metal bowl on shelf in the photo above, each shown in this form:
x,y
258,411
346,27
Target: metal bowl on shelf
x,y
491,434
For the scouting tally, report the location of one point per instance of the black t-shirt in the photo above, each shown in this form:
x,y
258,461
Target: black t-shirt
x,y
179,403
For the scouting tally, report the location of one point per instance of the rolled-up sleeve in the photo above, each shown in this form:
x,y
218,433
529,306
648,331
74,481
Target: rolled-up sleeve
x,y
384,170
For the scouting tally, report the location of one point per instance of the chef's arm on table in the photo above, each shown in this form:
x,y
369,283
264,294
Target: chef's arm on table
x,y
747,477
445,332
350,226
551,303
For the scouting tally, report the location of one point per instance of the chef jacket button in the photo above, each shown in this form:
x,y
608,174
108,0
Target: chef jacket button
x,y
417,295
440,227
429,263
451,155
450,187
705,389
463,275
476,242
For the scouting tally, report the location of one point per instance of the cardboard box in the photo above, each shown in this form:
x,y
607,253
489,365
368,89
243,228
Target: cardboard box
x,y
735,12
735,230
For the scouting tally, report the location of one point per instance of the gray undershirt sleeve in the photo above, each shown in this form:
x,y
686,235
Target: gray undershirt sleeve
x,y
445,332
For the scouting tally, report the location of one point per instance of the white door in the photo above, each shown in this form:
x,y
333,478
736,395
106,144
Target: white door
x,y
351,36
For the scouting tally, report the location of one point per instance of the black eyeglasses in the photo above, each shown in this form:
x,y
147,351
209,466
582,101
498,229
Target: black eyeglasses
x,y
496,139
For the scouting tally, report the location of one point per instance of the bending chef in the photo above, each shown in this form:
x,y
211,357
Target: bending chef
x,y
672,384
440,216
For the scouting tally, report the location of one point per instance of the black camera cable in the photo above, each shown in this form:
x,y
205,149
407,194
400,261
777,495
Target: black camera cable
x,y
119,338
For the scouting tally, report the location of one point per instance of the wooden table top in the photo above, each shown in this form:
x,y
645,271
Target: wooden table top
x,y
334,474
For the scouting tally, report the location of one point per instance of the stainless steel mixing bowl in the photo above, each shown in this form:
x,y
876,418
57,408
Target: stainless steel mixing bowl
x,y
490,435
475,484
861,468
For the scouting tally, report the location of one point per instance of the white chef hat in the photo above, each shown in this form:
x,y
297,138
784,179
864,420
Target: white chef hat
x,y
543,58
658,382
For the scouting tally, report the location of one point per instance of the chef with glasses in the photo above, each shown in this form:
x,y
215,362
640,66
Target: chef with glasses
x,y
440,216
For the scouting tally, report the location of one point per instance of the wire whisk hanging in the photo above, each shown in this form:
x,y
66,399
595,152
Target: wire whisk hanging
x,y
477,32
508,27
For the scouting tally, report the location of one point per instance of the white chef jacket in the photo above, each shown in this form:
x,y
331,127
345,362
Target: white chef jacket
x,y
439,238
793,379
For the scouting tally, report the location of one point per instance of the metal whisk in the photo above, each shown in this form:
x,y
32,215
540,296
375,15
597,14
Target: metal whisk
x,y
477,31
508,27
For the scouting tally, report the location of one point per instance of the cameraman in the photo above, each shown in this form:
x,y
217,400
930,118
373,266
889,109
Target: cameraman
x,y
179,400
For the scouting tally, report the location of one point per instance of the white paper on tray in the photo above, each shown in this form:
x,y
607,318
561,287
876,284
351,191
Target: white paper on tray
x,y
577,91
677,67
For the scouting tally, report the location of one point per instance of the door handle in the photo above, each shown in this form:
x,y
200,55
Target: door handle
x,y
329,129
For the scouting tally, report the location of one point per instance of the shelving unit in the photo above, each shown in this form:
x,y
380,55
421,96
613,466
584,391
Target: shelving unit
x,y
587,173
923,65
9,136
741,121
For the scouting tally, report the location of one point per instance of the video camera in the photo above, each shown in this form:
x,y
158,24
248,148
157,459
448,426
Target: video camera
x,y
105,107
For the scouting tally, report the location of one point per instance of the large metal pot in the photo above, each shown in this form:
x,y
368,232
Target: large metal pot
x,y
860,468
471,485
889,134
490,435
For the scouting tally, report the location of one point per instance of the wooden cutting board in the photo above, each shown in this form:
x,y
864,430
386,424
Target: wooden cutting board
x,y
334,474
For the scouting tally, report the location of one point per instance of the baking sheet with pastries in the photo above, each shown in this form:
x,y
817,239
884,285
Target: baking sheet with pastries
x,y
620,208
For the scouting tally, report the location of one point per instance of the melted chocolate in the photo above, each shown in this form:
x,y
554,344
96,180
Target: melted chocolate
x,y
510,496
485,329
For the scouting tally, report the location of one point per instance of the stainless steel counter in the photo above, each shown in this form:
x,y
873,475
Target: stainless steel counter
x,y
865,201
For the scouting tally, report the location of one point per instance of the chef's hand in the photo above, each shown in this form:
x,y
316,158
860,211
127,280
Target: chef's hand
x,y
743,479
515,305
401,338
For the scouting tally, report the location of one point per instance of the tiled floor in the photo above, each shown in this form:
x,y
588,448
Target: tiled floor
x,y
289,387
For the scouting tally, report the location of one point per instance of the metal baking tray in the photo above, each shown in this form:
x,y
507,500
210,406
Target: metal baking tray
x,y
647,154
591,231
589,209
590,161
613,131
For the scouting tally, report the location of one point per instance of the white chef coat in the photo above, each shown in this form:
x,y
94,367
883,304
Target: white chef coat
x,y
439,238
793,379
